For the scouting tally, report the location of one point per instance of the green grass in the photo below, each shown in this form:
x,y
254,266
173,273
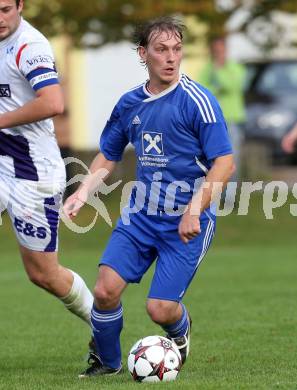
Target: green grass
x,y
242,301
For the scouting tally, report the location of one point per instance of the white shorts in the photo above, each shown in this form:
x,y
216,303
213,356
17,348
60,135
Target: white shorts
x,y
33,208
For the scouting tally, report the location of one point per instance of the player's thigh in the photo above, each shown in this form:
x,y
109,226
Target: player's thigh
x,y
44,270
34,212
178,262
36,262
127,256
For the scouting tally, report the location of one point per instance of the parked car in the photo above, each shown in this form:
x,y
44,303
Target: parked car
x,y
271,103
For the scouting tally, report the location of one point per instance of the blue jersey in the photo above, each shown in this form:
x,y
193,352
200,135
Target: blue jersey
x,y
176,134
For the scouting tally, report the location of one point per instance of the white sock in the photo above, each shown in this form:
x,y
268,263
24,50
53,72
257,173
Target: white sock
x,y
79,300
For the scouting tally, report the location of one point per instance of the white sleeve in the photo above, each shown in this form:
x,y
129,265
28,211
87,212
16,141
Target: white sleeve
x,y
36,62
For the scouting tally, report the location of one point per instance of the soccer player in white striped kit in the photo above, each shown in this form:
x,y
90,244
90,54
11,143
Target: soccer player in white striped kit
x,y
32,172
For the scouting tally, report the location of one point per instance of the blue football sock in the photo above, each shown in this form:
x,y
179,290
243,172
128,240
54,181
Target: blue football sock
x,y
107,326
180,327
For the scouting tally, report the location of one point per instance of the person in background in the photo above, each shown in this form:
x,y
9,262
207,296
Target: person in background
x,y
225,79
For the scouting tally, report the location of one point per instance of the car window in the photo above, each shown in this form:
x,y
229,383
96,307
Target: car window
x,y
277,79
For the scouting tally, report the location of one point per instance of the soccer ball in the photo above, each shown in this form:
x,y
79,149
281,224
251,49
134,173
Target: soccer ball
x,y
154,359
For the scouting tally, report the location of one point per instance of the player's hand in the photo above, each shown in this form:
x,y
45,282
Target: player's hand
x,y
189,227
74,203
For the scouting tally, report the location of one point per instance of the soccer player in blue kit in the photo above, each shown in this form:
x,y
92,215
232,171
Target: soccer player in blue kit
x,y
180,138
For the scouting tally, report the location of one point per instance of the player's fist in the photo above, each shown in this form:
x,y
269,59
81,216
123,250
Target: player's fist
x,y
74,203
189,227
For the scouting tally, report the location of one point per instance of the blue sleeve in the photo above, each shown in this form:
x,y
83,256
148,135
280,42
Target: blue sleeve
x,y
213,134
113,139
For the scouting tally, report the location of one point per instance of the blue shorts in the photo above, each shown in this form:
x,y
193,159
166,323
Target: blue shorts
x,y
133,248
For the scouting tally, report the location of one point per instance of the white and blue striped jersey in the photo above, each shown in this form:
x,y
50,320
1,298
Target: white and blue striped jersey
x,y
176,134
26,65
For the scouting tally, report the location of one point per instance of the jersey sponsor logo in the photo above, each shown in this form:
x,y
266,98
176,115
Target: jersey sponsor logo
x,y
5,90
41,59
152,143
29,230
136,121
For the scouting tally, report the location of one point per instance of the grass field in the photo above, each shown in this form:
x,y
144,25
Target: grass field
x,y
243,305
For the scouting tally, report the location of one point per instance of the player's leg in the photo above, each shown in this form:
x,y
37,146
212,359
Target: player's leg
x,y
171,315
44,270
174,318
107,324
175,268
124,261
34,212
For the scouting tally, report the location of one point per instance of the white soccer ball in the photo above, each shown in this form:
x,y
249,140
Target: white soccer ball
x,y
154,359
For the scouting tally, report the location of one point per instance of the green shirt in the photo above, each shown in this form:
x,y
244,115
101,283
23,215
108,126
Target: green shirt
x,y
226,83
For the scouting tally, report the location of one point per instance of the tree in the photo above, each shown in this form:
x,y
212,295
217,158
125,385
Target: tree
x,y
96,22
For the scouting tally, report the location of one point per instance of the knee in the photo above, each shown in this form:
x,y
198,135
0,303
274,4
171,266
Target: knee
x,y
42,269
105,296
40,279
45,278
159,311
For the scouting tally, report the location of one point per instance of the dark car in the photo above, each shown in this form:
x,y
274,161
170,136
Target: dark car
x,y
271,103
